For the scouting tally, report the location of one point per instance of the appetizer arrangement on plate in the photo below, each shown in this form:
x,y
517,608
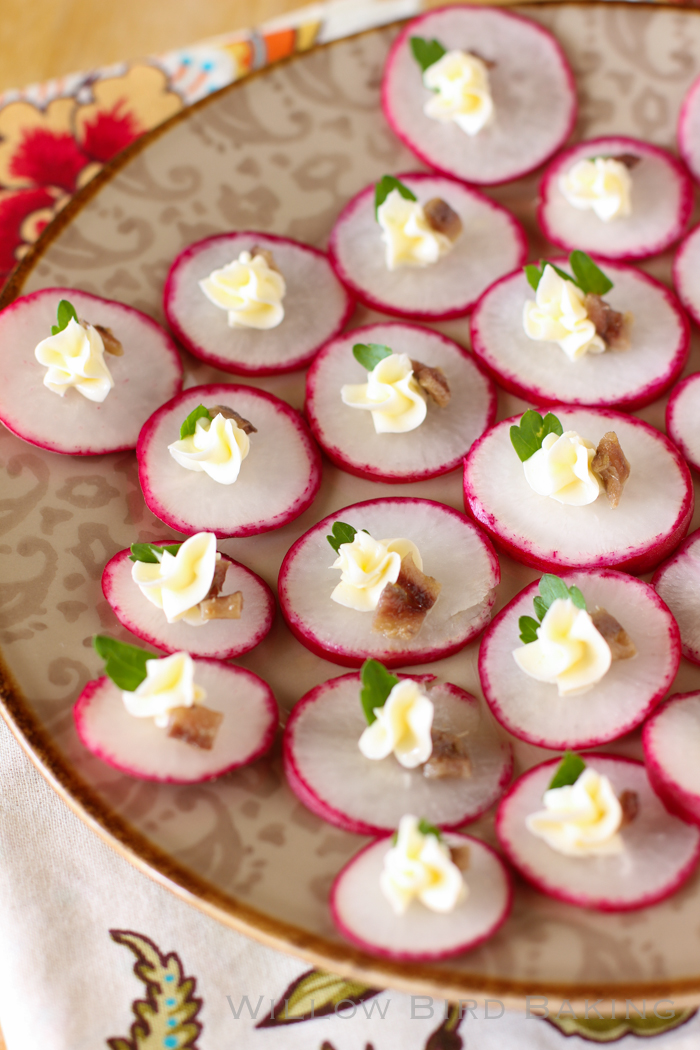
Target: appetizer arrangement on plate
x,y
227,459
395,402
362,749
573,333
599,653
356,586
254,304
617,197
174,719
80,375
423,246
585,487
189,596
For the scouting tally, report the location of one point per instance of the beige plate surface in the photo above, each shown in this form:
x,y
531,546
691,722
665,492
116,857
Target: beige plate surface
x,y
282,152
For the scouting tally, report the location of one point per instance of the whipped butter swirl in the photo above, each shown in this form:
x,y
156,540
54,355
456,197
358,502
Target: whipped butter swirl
x,y
408,237
420,866
217,447
367,566
249,289
74,357
601,184
179,582
581,819
402,726
392,394
569,652
462,93
561,468
169,683
559,315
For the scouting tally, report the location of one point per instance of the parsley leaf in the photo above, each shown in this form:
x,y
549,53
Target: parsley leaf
x,y
124,664
188,427
551,588
426,828
64,315
426,52
528,629
589,277
377,683
384,188
528,435
341,533
568,771
370,354
148,552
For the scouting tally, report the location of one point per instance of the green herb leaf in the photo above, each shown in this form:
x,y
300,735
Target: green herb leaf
x,y
562,273
426,52
540,607
577,598
589,277
188,427
528,435
341,533
551,588
377,683
124,664
528,629
426,828
370,354
534,275
384,188
148,552
568,771
64,315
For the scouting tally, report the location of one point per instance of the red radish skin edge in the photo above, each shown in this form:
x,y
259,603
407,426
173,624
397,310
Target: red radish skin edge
x,y
495,706
411,30
571,898
685,127
690,654
170,346
631,145
677,800
345,659
329,813
160,643
691,307
214,390
383,953
363,296
673,432
85,697
335,454
644,560
639,399
213,359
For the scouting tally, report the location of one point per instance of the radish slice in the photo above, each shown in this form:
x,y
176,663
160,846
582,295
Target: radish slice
x,y
327,771
685,273
689,128
148,373
541,371
365,917
278,481
138,747
652,518
660,850
677,582
437,446
531,83
661,199
682,414
316,306
217,639
491,244
535,712
670,756
454,552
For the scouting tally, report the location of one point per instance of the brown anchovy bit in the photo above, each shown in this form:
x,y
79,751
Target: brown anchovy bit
x,y
630,160
488,62
109,339
611,466
195,725
629,801
265,254
621,645
433,381
612,326
460,856
230,413
442,218
449,757
223,607
404,605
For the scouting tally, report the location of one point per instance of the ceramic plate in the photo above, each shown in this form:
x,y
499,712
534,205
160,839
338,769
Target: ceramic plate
x,y
283,152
